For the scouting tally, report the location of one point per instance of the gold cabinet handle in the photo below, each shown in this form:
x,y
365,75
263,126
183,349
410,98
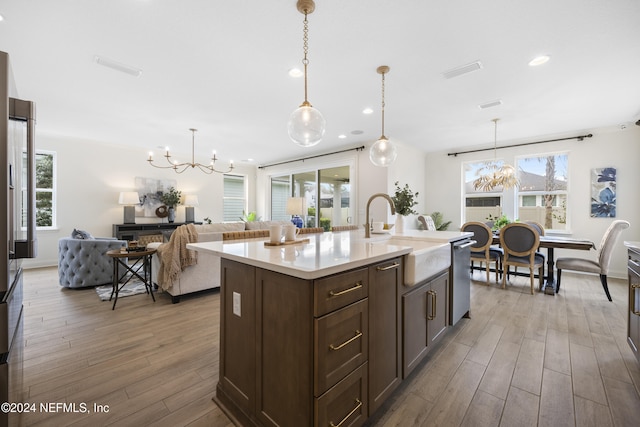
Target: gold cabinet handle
x,y
350,340
634,309
389,267
434,299
358,406
333,293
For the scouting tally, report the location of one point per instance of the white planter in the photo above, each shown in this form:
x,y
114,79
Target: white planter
x,y
400,219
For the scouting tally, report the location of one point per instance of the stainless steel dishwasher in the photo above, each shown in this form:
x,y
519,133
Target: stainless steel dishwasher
x,y
460,298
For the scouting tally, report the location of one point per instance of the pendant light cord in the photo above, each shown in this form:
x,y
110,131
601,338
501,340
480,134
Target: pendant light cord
x,y
305,60
383,103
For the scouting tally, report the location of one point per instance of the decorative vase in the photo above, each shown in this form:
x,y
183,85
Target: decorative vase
x,y
172,214
399,224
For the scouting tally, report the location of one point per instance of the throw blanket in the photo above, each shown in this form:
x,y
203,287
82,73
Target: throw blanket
x,y
174,255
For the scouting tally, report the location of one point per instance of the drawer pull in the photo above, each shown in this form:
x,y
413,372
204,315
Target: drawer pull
x,y
350,340
358,406
434,298
634,309
346,291
394,265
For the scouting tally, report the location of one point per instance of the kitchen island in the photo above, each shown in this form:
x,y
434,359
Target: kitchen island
x,y
321,332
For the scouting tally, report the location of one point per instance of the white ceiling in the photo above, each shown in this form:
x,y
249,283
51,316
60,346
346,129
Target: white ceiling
x,y
221,67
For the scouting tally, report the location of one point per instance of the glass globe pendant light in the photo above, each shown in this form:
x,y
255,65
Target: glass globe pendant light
x,y
306,125
383,152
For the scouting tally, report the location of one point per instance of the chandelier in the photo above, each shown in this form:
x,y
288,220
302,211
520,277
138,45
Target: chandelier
x,y
495,174
383,152
181,167
306,124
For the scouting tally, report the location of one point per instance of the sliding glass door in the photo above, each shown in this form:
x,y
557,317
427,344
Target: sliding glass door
x,y
327,194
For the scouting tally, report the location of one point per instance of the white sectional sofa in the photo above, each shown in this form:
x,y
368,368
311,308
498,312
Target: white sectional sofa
x,y
206,273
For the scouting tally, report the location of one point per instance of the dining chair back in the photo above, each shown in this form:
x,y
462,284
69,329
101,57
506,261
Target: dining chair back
x,y
520,241
536,226
481,250
601,266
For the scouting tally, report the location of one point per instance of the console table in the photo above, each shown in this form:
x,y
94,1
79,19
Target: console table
x,y
134,231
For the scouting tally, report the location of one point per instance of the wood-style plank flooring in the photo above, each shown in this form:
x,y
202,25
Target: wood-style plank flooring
x,y
520,360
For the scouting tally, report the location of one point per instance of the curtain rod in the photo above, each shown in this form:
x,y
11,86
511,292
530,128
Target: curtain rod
x,y
312,157
579,138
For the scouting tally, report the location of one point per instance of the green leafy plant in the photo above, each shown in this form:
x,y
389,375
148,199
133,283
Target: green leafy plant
x,y
171,198
498,221
404,201
438,220
207,220
249,217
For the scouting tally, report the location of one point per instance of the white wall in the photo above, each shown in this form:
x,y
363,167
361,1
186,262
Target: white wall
x,y
91,175
608,147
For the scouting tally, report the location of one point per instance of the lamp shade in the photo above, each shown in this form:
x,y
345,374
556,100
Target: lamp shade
x,y
296,206
129,198
191,200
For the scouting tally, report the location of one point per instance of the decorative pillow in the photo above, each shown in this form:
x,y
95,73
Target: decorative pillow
x,y
81,234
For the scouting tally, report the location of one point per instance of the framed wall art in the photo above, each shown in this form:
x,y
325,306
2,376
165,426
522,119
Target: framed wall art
x,y
603,193
150,190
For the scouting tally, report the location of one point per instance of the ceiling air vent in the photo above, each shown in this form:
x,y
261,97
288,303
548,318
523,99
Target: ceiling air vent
x,y
490,104
463,69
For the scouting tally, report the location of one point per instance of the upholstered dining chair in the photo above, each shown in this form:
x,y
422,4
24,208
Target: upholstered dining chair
x,y
520,242
601,266
481,250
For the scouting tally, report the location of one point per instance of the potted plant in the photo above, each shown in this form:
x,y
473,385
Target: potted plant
x,y
171,199
404,201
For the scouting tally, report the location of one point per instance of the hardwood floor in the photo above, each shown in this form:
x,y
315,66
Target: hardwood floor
x,y
520,360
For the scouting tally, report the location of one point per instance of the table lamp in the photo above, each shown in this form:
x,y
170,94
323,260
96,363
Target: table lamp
x,y
129,199
190,200
296,206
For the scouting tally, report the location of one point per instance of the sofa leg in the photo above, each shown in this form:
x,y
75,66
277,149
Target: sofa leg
x,y
175,299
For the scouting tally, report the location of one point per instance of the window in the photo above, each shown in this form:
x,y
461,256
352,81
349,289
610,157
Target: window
x,y
280,193
479,205
234,199
45,189
542,195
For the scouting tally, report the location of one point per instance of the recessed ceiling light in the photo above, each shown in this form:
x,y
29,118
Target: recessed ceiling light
x,y
118,66
295,72
539,60
342,136
367,111
248,160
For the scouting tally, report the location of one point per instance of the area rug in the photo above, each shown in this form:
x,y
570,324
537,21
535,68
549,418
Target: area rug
x,y
134,287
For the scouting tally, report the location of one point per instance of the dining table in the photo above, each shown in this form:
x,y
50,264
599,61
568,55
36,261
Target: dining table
x,y
551,242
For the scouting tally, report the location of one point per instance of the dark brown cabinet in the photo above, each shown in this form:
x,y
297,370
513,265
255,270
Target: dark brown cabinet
x,y
424,315
385,369
293,352
634,301
322,352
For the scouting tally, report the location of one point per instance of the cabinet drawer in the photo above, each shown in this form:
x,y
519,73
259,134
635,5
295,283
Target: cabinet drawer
x,y
338,291
341,344
345,404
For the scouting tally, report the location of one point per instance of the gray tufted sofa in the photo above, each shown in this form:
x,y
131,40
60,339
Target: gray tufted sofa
x,y
83,263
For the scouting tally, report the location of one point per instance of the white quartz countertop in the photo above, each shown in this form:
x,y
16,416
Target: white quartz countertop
x,y
324,254
632,245
435,236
